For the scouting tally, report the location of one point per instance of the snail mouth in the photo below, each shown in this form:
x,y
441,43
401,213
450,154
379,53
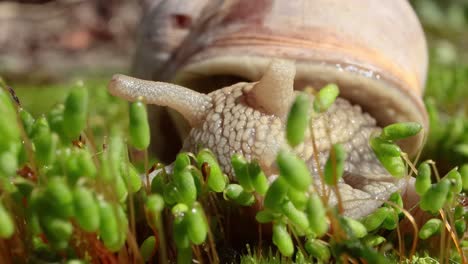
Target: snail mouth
x,y
361,196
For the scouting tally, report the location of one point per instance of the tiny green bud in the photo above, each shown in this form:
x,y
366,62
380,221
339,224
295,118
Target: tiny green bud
x,y
181,162
296,217
385,147
265,216
464,244
376,219
75,113
79,163
186,186
464,176
317,215
430,228
148,248
104,172
240,166
38,244
179,228
58,197
8,164
400,130
325,98
216,180
122,222
179,208
299,257
157,184
198,179
318,249
116,151
298,120
358,229
85,161
258,178
334,167
458,211
154,204
27,120
397,200
299,199
131,177
22,156
276,194
171,193
435,198
391,221
455,176
197,228
294,170
236,193
282,239
373,240
86,209
139,128
394,165
109,227
57,230
423,180
460,227
7,226
120,188
55,119
44,142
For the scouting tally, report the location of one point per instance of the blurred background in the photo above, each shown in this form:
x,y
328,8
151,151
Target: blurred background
x,y
46,45
44,41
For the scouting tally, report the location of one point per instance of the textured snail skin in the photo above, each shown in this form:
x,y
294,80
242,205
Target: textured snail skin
x,y
238,128
234,120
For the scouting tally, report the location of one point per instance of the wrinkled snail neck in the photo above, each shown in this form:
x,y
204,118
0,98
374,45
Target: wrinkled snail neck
x,y
192,105
274,93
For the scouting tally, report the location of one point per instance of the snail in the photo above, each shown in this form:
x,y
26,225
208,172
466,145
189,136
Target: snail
x,y
246,58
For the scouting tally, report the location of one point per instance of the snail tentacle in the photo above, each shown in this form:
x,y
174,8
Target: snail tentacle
x,y
190,104
274,93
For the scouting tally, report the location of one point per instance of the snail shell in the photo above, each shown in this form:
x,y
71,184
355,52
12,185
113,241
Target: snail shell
x,y
374,50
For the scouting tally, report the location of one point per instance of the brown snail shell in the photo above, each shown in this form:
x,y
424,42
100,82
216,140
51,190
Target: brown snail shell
x,y
374,50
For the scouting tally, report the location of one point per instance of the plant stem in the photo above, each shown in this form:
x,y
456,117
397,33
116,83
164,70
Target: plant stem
x,y
148,183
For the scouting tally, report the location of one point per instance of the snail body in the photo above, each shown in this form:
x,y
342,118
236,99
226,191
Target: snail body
x,y
239,119
374,51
